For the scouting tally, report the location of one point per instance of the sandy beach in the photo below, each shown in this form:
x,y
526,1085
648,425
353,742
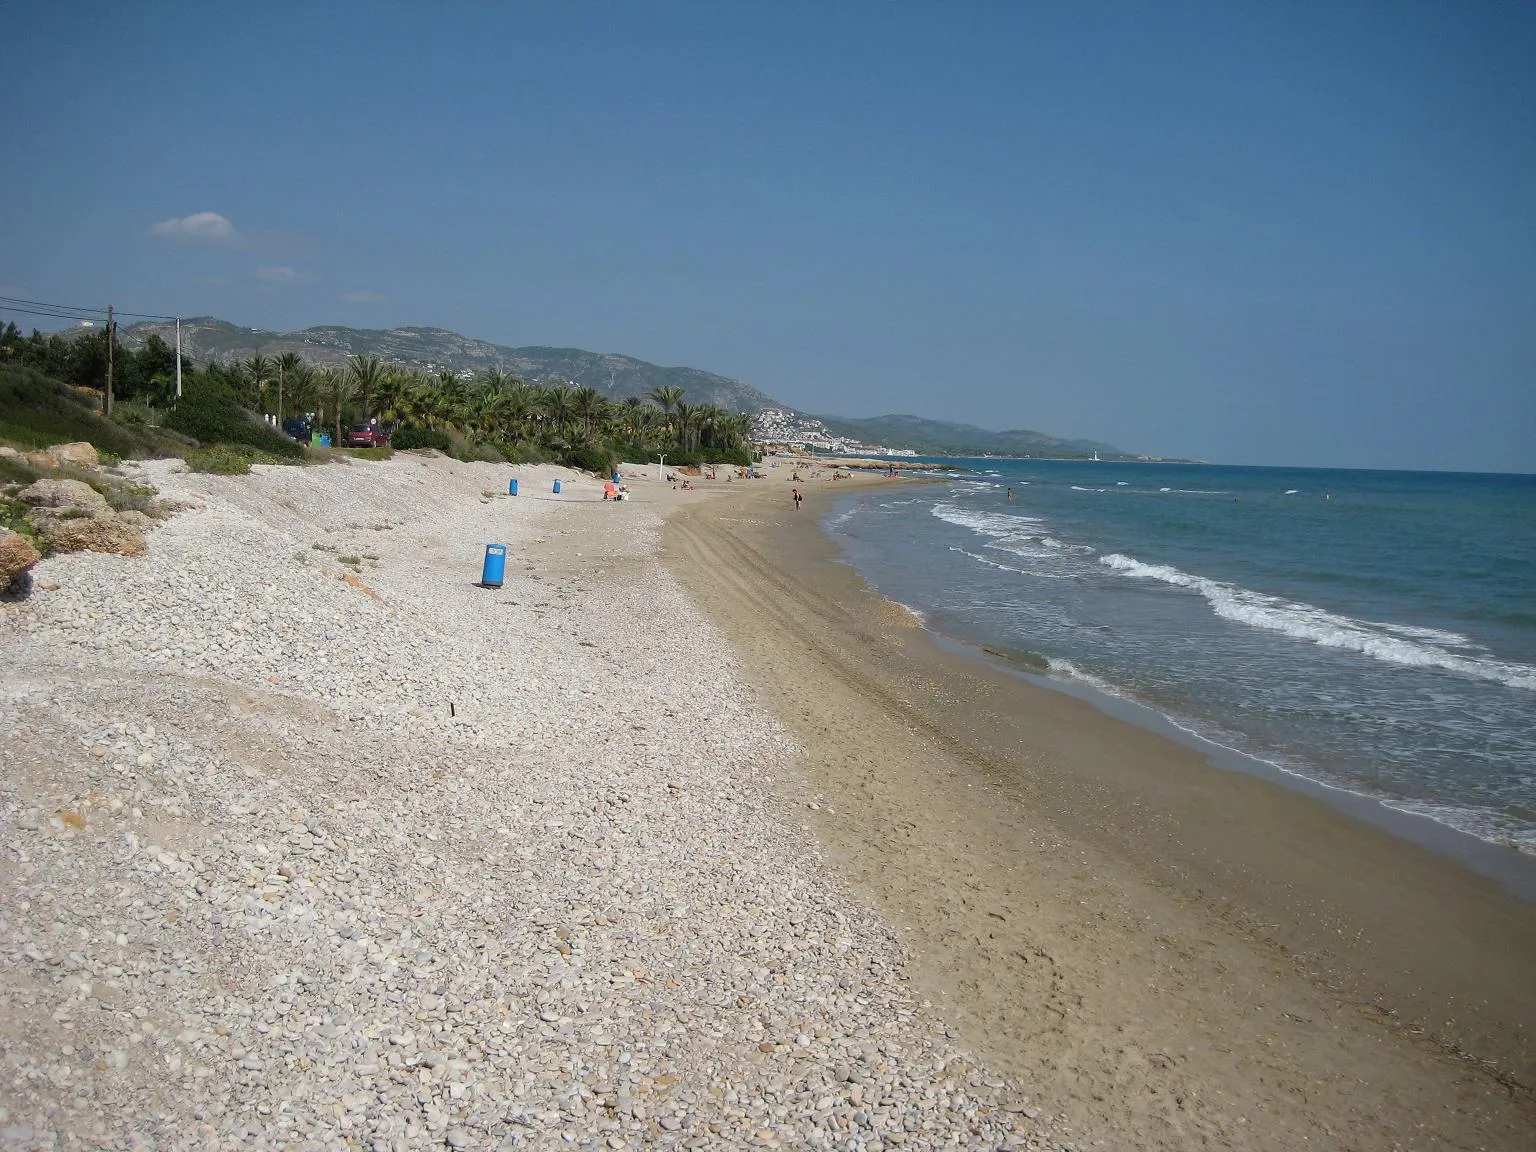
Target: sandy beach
x,y
681,837
1172,955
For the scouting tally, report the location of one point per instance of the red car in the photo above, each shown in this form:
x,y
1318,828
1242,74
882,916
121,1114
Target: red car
x,y
367,436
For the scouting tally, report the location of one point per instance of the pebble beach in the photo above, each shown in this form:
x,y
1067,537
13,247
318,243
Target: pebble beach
x,y
310,842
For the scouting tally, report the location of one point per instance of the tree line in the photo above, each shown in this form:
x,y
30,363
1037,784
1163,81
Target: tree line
x,y
517,418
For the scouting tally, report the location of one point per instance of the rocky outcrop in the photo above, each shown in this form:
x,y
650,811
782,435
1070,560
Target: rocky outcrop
x,y
65,494
107,533
16,558
79,454
73,517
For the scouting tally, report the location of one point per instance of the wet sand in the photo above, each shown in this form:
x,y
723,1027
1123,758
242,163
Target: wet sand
x,y
1174,955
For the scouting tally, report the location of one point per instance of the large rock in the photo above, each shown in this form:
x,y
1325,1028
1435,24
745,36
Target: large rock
x,y
78,454
94,534
64,494
16,557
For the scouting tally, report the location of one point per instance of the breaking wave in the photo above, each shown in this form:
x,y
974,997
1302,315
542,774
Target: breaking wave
x,y
1392,644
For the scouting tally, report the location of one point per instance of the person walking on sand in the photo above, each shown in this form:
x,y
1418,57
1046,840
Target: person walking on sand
x,y
796,493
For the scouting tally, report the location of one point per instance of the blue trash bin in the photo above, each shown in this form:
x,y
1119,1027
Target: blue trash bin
x,y
495,568
557,487
512,487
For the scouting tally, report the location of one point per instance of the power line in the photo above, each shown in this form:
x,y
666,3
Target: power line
x,y
71,309
54,315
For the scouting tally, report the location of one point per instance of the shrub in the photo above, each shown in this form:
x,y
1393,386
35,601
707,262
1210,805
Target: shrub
x,y
527,452
407,438
232,459
221,460
591,459
211,416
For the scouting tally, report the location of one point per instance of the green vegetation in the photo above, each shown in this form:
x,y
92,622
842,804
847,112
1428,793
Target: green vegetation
x,y
232,459
493,417
368,453
616,377
221,459
210,412
407,438
36,411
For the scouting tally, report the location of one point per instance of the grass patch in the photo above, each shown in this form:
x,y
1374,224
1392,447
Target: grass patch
x,y
221,460
14,517
355,562
37,411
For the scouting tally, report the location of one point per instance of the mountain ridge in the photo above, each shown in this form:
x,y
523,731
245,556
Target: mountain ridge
x,y
615,375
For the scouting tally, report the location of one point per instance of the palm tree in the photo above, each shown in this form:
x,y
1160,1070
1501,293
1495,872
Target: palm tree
x,y
368,372
392,388
632,416
558,408
287,364
337,385
258,370
588,406
303,388
667,397
684,416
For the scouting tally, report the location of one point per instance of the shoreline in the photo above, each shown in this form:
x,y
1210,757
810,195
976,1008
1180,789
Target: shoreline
x,y
1512,868
1085,894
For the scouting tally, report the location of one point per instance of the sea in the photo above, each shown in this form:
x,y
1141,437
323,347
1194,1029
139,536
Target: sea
x,y
1368,633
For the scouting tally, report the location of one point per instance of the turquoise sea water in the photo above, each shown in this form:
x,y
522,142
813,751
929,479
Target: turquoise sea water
x,y
1371,631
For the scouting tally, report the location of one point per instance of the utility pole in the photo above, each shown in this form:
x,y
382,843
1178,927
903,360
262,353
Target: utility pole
x,y
178,357
107,399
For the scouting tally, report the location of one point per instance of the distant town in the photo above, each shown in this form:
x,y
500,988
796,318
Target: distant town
x,y
781,426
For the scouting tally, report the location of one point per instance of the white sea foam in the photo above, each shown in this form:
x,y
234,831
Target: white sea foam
x,y
1292,491
1007,532
1010,568
1072,672
996,524
1307,622
1075,488
1437,636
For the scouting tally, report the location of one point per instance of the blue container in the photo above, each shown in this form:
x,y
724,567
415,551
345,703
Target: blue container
x,y
511,487
495,565
616,479
557,487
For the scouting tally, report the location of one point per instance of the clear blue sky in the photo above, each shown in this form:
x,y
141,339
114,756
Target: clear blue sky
x,y
1253,232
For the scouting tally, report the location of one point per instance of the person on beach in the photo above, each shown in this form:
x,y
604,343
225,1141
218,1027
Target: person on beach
x,y
796,493
1010,495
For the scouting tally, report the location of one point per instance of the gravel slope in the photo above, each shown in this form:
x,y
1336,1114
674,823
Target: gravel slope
x,y
400,862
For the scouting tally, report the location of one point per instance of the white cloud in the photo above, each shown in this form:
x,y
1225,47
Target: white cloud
x,y
203,227
278,274
363,297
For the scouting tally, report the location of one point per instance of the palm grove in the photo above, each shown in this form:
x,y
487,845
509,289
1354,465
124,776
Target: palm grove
x,y
493,415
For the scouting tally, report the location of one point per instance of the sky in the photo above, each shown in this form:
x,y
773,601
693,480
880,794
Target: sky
x,y
1299,233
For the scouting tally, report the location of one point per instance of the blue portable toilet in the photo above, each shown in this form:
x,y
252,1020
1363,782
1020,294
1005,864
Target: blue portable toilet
x,y
557,487
495,568
512,486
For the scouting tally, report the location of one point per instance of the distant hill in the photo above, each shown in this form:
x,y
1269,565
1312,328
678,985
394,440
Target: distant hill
x,y
942,438
206,338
